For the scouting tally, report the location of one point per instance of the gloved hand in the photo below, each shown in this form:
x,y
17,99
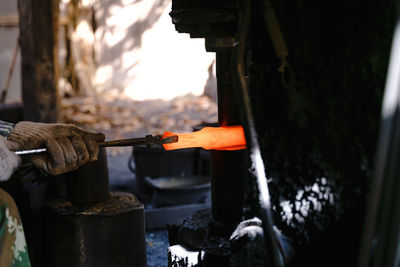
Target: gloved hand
x,y
9,161
68,146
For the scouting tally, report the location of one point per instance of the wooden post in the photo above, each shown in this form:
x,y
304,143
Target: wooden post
x,y
38,20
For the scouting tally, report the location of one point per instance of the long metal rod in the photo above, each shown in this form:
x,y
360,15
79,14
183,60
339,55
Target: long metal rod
x,y
149,141
257,172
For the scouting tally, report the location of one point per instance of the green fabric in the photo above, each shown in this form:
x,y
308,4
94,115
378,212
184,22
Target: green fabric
x,y
5,128
13,248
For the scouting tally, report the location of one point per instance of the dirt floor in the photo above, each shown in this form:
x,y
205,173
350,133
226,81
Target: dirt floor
x,y
156,248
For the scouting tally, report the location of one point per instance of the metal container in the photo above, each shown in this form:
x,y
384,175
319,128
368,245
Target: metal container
x,y
173,191
157,162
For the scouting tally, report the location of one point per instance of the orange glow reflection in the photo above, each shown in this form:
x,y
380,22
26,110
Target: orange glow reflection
x,y
217,138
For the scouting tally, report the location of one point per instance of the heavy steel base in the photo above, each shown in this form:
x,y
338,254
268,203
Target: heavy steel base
x,y
104,234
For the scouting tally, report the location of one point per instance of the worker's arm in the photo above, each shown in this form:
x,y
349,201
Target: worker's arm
x,y
9,162
68,147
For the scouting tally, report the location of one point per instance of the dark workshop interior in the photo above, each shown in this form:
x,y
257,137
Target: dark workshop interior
x,y
266,132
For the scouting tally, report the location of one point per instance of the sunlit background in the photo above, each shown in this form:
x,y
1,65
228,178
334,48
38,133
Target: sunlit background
x,y
123,68
140,54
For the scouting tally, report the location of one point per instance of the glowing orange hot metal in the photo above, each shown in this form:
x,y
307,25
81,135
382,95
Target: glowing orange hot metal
x,y
218,138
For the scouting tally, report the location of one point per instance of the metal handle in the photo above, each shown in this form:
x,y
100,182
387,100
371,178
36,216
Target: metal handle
x,y
149,141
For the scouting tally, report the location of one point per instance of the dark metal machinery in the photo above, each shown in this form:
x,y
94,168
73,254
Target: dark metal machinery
x,y
94,227
224,29
225,26
228,171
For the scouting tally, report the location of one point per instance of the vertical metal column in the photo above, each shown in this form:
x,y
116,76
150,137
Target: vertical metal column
x,y
228,173
228,167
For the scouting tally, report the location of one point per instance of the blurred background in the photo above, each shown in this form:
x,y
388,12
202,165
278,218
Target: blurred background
x,y
125,56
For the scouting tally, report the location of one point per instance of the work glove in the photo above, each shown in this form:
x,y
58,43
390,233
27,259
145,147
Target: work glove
x,y
9,161
68,146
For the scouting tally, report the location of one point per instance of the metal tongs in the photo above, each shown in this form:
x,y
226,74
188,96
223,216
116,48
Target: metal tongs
x,y
148,140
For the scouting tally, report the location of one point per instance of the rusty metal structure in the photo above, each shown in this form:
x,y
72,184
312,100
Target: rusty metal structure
x,y
93,227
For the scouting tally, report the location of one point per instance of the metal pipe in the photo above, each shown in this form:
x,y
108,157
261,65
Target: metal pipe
x,y
257,174
228,174
149,141
228,167
381,235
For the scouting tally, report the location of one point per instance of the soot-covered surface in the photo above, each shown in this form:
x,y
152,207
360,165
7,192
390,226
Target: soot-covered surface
x,y
318,121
